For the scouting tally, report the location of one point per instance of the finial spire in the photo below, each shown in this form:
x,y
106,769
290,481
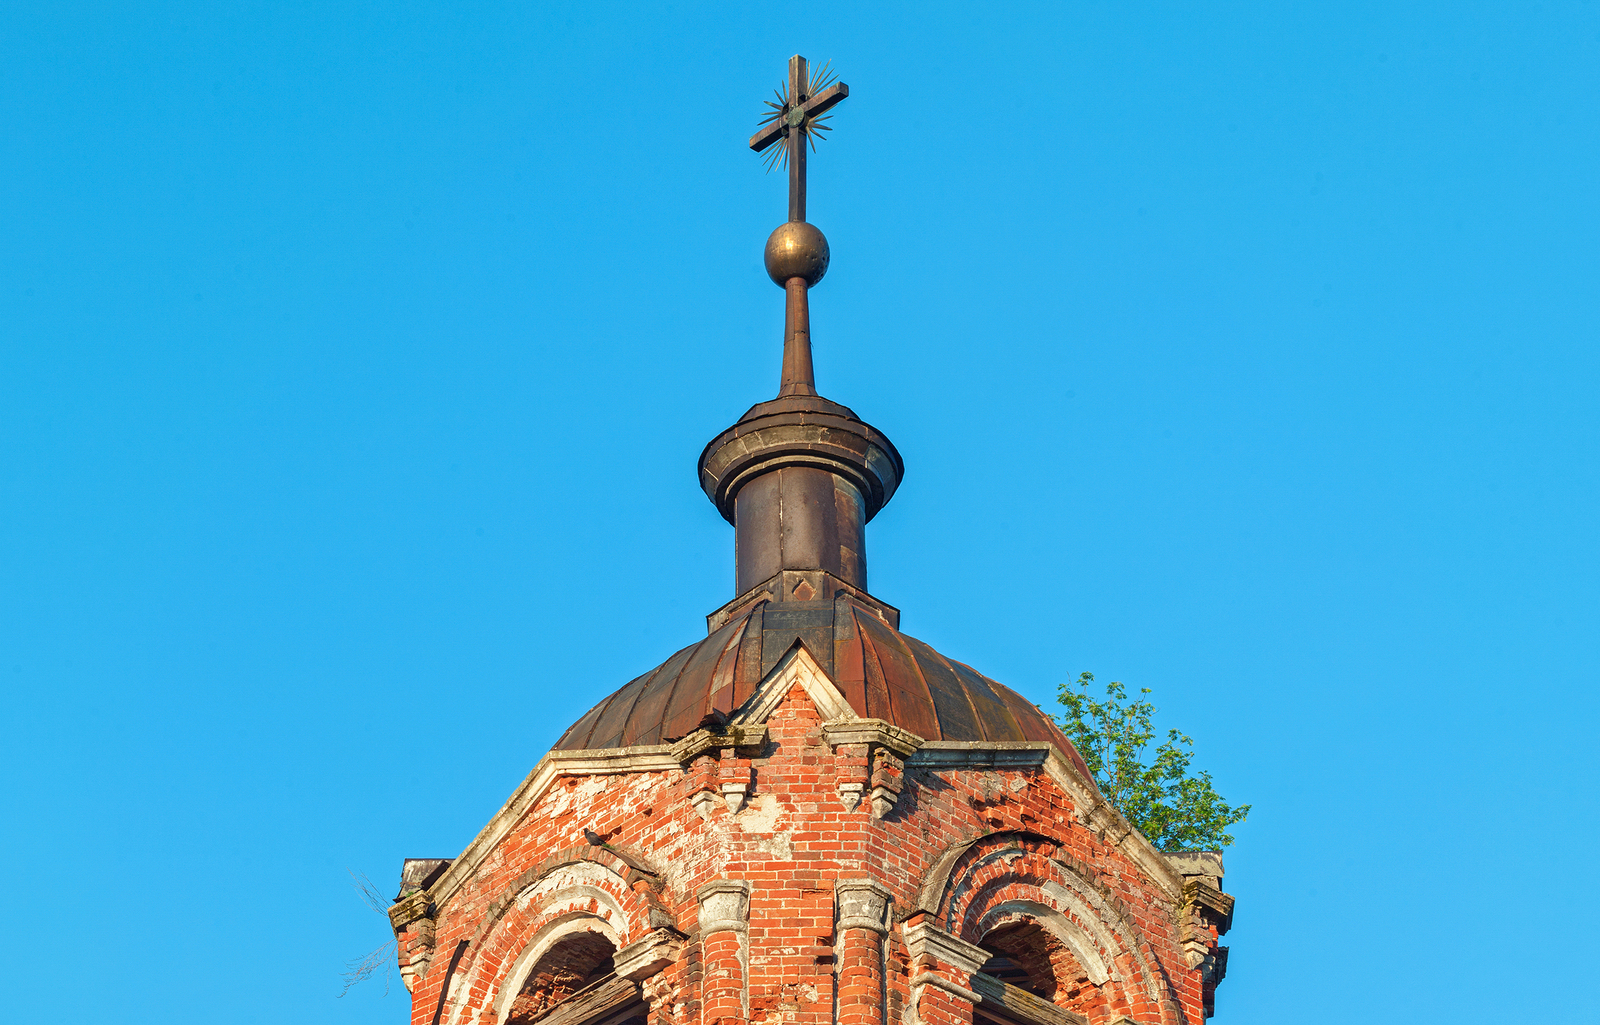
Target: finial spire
x,y
797,253
799,476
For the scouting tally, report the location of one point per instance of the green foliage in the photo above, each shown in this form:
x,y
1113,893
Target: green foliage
x,y
1175,809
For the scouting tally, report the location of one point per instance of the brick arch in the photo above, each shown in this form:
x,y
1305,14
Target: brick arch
x,y
560,897
561,930
1007,879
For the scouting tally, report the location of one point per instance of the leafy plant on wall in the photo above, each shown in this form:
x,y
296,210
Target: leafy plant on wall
x,y
1175,807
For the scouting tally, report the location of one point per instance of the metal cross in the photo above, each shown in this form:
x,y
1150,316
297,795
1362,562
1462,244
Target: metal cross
x,y
794,121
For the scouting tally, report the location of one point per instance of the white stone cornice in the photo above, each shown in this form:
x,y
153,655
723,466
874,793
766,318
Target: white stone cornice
x,y
648,955
871,731
553,766
795,667
925,941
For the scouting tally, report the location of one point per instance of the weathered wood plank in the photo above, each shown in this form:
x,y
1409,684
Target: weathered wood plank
x,y
603,999
1018,1003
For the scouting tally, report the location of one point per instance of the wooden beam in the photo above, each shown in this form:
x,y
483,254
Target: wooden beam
x,y
768,135
1019,1005
602,1000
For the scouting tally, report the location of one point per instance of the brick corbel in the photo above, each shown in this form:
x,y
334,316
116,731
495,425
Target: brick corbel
x,y
887,747
729,752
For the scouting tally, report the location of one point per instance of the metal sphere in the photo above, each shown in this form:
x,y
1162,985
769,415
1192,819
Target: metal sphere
x,y
797,250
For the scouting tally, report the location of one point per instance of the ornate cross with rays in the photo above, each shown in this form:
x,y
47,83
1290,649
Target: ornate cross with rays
x,y
797,253
803,104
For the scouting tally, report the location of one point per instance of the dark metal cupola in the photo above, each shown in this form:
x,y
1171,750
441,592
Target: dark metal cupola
x,y
800,476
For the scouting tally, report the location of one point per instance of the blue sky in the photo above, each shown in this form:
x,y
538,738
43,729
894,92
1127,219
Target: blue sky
x,y
356,359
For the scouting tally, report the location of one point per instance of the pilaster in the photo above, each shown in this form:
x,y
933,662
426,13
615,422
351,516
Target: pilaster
x,y
861,907
724,952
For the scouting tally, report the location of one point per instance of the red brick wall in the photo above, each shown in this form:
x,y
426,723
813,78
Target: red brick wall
x,y
791,841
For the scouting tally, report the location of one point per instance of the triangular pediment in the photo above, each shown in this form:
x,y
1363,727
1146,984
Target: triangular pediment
x,y
796,666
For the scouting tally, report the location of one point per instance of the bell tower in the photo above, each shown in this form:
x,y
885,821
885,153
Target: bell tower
x,y
808,817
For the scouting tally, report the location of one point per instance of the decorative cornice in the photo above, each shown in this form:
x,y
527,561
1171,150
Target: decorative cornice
x,y
1213,900
925,940
871,731
739,735
1196,863
409,908
980,754
648,955
799,666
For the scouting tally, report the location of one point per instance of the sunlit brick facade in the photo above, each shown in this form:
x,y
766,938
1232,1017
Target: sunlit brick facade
x,y
809,817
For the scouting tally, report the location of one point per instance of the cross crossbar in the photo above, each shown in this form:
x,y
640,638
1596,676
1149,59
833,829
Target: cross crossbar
x,y
815,107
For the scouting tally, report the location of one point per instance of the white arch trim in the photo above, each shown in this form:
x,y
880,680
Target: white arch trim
x,y
541,943
1072,935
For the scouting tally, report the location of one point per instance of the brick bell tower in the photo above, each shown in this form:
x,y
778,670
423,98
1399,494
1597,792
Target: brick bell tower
x,y
808,816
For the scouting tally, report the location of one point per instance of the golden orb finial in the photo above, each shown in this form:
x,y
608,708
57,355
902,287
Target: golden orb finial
x,y
796,250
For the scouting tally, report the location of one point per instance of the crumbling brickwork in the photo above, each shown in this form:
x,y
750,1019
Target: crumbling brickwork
x,y
766,885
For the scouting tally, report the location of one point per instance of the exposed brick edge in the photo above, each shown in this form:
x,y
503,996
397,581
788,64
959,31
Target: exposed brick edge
x,y
553,766
1091,808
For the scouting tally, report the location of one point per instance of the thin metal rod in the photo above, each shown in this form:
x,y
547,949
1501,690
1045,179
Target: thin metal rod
x,y
798,84
798,376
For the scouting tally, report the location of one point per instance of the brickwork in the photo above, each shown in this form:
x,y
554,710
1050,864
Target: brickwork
x,y
794,903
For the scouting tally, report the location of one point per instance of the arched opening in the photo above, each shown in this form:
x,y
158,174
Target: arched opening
x,y
1032,958
572,967
1024,955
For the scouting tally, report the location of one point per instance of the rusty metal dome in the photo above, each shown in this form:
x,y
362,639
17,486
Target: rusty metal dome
x,y
883,673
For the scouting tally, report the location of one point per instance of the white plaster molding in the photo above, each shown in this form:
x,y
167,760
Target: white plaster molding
x,y
795,667
926,941
724,906
1196,863
648,955
861,904
971,754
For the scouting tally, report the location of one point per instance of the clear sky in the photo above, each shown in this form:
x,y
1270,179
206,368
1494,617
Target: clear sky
x,y
354,362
